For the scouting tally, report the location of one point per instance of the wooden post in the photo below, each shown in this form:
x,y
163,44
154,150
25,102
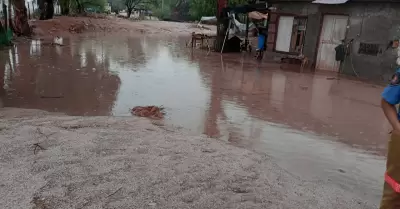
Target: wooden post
x,y
266,32
246,41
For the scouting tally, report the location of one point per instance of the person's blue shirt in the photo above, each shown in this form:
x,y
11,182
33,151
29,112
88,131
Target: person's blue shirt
x,y
391,94
261,42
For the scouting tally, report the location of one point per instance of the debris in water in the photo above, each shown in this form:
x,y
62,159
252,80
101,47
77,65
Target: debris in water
x,y
58,41
51,97
153,112
304,88
331,78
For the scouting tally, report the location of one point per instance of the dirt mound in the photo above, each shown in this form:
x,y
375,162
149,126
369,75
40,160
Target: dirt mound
x,y
61,26
67,25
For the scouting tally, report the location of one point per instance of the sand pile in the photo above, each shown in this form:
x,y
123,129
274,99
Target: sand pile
x,y
111,162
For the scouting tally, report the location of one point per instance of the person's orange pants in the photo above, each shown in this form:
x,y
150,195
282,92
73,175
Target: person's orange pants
x,y
391,197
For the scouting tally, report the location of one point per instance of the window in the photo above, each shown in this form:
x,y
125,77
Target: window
x,y
369,49
291,33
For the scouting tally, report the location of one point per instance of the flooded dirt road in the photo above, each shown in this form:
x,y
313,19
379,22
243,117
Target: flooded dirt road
x,y
319,128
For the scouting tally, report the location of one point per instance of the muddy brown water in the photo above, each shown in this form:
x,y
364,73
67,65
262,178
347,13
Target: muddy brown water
x,y
317,126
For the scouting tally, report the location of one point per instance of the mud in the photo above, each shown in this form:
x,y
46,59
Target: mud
x,y
319,128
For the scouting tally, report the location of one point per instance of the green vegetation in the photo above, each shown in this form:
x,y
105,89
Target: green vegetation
x,y
199,8
80,6
163,9
89,5
117,6
130,5
189,9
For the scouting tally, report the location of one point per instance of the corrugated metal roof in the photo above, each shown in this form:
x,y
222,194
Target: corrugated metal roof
x,y
330,1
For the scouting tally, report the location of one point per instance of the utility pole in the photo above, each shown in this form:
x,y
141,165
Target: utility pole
x,y
223,22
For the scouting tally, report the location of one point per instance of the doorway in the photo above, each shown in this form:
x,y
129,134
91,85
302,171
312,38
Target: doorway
x,y
291,33
333,31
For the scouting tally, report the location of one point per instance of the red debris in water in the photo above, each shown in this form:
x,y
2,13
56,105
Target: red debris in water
x,y
152,112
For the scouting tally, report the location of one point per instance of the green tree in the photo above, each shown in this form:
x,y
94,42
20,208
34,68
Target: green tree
x,y
237,2
117,5
65,6
46,8
79,6
131,5
199,8
166,9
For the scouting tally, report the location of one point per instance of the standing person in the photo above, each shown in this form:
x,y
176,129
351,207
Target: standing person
x,y
261,38
262,27
391,189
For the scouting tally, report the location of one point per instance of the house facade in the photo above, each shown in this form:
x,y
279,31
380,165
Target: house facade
x,y
315,29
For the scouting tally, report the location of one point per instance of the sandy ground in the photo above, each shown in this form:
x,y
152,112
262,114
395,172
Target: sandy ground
x,y
128,162
66,26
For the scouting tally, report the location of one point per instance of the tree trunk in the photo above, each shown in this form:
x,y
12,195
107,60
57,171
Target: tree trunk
x,y
49,9
10,23
5,12
21,25
64,10
2,29
129,12
79,6
42,9
64,4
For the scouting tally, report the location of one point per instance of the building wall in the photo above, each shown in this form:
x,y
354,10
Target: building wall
x,y
372,23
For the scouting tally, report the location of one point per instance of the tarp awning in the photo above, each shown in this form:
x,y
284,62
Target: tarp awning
x,y
330,1
258,15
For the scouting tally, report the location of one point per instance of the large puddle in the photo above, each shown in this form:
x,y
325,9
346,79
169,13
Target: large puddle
x,y
301,120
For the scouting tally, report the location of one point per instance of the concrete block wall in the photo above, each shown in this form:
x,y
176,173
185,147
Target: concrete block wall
x,y
373,23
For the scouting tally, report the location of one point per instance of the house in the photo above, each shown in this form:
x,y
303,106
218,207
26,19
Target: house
x,y
315,28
